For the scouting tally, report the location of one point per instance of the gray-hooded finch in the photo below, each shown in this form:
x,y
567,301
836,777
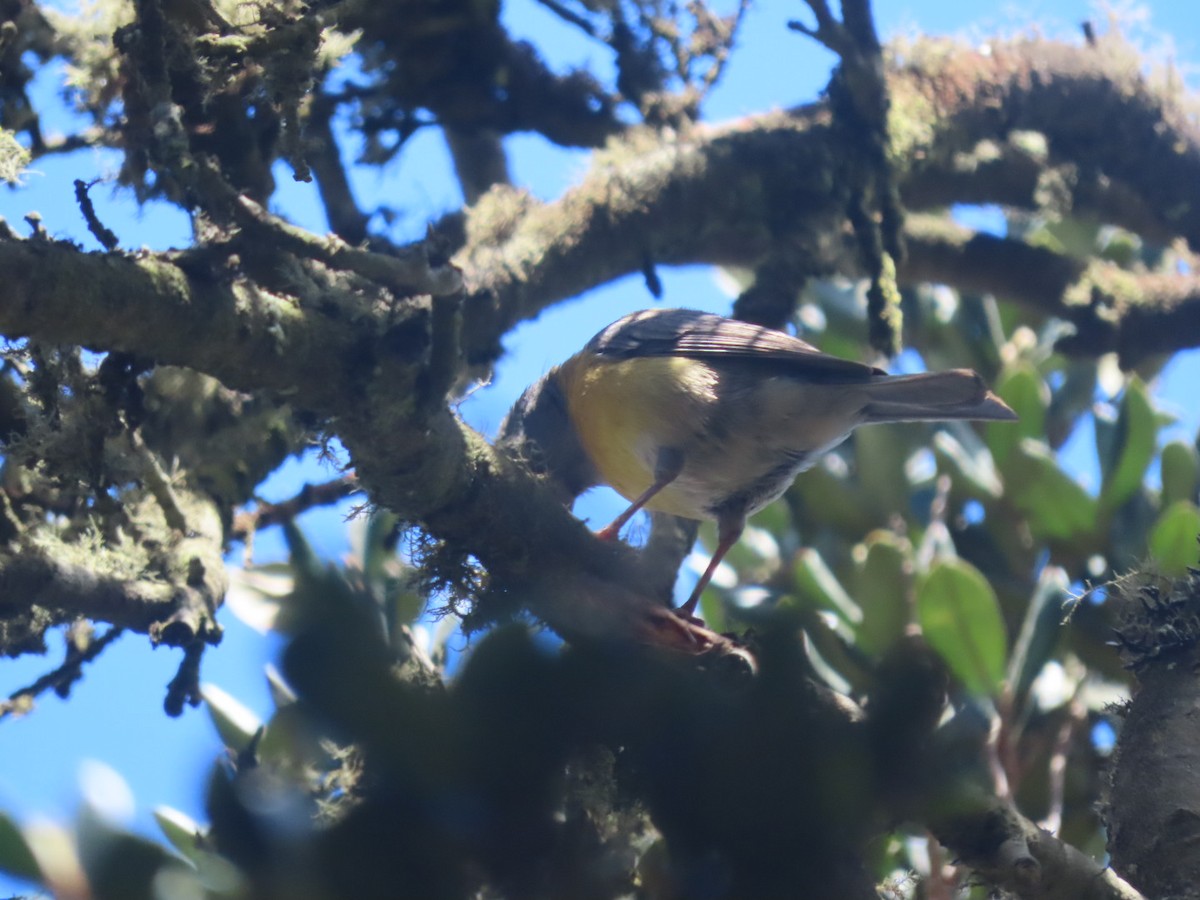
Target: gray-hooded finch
x,y
705,417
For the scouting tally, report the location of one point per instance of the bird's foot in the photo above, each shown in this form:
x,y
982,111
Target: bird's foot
x,y
609,532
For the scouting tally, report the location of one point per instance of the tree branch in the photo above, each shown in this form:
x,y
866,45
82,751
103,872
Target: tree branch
x,y
1096,112
1113,309
748,181
62,678
68,590
1008,850
734,195
324,155
310,496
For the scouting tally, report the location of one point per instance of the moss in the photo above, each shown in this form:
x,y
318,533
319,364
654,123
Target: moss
x,y
910,125
1105,288
1157,619
496,216
13,157
116,557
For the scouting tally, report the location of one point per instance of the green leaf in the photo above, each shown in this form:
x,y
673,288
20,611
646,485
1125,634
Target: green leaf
x,y
1068,234
181,830
830,652
1055,504
404,604
1180,472
1123,249
827,488
713,609
1039,631
1172,540
882,581
1132,449
960,617
303,560
257,596
379,549
774,518
1022,388
973,471
236,724
118,863
1072,398
290,744
281,692
815,581
217,875
15,856
757,551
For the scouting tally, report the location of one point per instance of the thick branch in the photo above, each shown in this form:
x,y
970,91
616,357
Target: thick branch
x,y
1010,851
71,590
1113,310
150,306
736,194
1096,111
1017,176
728,196
945,253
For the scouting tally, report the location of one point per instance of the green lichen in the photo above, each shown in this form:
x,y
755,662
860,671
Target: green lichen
x,y
13,157
911,118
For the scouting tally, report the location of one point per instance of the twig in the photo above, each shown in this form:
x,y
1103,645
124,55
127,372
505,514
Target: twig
x,y
267,514
829,31
860,102
345,218
62,678
104,235
158,482
407,272
184,688
89,137
1076,715
445,349
720,55
479,159
570,16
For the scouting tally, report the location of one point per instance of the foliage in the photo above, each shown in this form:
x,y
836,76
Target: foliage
x,y
907,661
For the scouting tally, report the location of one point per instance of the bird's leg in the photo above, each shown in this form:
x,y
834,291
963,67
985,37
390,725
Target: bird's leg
x,y
667,467
729,529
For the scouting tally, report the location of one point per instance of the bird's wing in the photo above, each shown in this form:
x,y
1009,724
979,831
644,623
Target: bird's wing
x,y
703,336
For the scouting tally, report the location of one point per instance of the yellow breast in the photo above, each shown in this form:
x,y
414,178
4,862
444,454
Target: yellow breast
x,y
624,411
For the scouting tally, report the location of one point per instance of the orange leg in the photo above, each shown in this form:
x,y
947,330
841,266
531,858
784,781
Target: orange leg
x,y
729,529
666,470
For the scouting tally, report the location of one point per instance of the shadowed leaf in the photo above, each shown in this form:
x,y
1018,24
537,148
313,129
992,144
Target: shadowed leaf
x,y
960,617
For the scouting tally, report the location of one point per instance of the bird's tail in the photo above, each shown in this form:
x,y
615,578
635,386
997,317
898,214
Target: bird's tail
x,y
932,396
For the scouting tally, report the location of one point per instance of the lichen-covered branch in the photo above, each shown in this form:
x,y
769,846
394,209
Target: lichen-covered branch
x,y
1095,111
347,337
1008,850
1136,315
767,187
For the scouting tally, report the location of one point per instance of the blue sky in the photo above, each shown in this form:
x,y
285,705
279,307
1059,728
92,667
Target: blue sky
x,y
114,715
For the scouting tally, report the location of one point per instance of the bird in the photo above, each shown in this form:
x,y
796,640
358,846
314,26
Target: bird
x,y
711,418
